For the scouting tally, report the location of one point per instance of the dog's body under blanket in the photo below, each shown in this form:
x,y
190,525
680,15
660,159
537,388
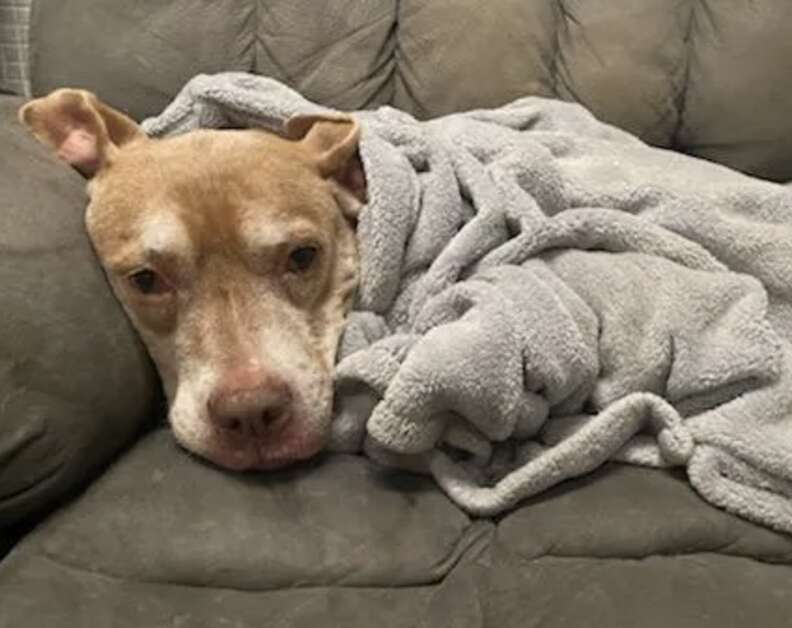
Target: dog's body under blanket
x,y
541,293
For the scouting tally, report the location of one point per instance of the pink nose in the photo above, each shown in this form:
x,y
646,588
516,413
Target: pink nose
x,y
249,402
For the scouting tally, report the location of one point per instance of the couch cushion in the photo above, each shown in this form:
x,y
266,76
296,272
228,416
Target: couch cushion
x,y
341,520
164,539
164,536
137,55
649,515
681,75
75,384
339,53
706,78
737,97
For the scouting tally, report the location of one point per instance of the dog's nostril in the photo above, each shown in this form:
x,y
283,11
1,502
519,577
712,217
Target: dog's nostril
x,y
254,412
228,423
271,415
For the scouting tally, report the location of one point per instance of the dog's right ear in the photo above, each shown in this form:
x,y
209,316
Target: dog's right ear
x,y
332,140
84,131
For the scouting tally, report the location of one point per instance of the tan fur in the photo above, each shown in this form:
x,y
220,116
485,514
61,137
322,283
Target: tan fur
x,y
217,214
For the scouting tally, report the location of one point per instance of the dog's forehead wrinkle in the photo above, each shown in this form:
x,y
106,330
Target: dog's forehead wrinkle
x,y
164,233
265,231
216,177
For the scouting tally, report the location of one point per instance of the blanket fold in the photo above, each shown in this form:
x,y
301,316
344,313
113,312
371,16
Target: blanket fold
x,y
541,293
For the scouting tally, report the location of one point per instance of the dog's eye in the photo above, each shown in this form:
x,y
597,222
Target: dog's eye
x,y
148,282
302,258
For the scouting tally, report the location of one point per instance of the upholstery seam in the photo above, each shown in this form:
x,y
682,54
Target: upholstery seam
x,y
681,98
527,561
395,71
363,79
563,18
287,587
256,17
295,79
559,16
419,109
637,559
453,558
20,494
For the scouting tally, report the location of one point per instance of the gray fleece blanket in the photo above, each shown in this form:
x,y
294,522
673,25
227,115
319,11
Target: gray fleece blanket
x,y
542,293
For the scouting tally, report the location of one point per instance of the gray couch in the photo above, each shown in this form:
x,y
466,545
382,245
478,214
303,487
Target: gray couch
x,y
104,521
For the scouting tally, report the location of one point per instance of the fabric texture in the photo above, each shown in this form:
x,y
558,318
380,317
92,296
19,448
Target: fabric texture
x,y
76,385
14,66
541,293
161,539
688,75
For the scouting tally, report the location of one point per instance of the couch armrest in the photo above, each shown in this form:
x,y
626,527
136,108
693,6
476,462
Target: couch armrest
x,y
75,383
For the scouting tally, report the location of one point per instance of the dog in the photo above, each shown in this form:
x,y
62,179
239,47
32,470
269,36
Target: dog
x,y
234,255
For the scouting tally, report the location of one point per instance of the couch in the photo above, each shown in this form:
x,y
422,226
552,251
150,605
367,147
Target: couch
x,y
104,521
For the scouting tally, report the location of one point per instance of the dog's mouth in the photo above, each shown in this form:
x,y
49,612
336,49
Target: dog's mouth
x,y
254,429
280,444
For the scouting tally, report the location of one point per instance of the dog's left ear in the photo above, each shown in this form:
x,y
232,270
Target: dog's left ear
x,y
333,142
84,131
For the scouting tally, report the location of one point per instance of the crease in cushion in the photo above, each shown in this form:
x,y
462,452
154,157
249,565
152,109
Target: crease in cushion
x,y
622,511
338,53
737,98
507,51
76,385
160,515
706,78
691,591
38,593
683,592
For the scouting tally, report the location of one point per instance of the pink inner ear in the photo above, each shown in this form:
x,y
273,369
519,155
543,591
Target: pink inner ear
x,y
80,148
354,179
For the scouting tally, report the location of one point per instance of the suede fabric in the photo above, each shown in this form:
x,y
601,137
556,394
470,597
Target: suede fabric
x,y
165,540
706,78
141,53
75,383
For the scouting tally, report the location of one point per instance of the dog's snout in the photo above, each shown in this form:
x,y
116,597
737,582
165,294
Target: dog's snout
x,y
250,403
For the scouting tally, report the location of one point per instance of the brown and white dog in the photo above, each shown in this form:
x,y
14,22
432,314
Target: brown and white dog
x,y
234,254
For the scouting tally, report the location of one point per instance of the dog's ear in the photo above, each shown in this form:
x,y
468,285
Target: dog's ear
x,y
84,131
333,142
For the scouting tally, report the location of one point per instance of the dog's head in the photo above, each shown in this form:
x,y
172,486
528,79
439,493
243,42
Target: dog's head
x,y
234,254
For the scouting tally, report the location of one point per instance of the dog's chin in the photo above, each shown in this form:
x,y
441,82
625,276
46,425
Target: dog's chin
x,y
295,442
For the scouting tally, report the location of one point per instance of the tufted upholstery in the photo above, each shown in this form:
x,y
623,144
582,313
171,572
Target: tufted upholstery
x,y
708,77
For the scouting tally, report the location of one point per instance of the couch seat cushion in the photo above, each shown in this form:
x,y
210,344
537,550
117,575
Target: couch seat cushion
x,y
163,539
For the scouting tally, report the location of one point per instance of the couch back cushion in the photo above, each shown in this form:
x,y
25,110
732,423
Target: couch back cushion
x,y
707,78
137,55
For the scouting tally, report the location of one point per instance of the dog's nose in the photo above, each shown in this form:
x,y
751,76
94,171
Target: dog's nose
x,y
249,402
